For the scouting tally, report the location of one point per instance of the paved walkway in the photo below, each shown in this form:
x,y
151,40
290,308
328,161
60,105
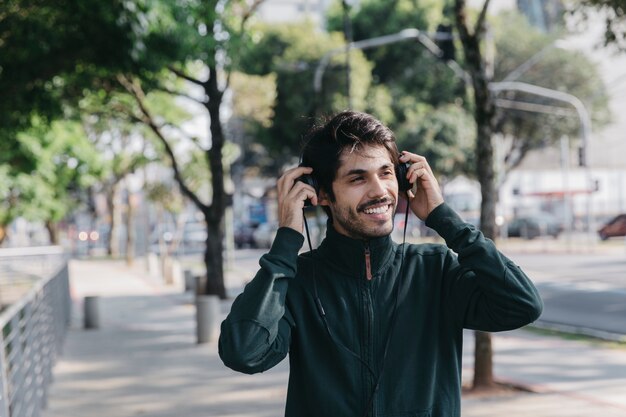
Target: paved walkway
x,y
143,361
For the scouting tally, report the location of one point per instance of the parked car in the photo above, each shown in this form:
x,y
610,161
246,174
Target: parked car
x,y
613,228
532,226
244,236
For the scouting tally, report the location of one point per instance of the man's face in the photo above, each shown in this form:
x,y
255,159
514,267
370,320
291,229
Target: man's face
x,y
366,193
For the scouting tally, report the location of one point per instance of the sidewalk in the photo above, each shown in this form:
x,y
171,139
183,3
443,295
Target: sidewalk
x,y
143,361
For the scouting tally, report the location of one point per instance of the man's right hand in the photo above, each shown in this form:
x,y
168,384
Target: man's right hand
x,y
291,197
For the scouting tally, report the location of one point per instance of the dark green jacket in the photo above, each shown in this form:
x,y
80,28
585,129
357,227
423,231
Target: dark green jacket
x,y
333,371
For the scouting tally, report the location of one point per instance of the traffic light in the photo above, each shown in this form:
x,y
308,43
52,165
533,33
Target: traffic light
x,y
445,41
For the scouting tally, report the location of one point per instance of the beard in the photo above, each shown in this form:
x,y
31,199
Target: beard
x,y
351,221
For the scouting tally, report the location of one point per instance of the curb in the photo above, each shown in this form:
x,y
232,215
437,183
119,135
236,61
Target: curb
x,y
579,330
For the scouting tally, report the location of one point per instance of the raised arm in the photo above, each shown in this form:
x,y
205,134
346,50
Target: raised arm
x,y
257,333
486,289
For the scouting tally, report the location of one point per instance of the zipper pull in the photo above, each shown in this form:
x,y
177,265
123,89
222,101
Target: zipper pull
x,y
368,264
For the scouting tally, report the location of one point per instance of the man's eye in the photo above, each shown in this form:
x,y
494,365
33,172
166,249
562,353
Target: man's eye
x,y
356,179
388,173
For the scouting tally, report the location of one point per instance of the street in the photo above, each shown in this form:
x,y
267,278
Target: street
x,y
582,292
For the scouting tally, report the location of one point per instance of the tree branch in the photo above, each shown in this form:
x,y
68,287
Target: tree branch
x,y
461,19
135,90
192,139
180,94
184,76
253,7
481,18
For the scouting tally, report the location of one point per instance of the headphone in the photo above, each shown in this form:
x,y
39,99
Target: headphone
x,y
401,170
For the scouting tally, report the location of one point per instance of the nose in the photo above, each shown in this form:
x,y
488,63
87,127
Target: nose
x,y
377,188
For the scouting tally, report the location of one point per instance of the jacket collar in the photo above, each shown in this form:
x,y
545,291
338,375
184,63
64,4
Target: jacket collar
x,y
348,254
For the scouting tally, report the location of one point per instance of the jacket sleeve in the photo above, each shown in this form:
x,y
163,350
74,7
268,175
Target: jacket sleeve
x,y
256,334
487,290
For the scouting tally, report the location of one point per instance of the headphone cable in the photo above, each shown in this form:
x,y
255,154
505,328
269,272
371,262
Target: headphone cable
x,y
322,313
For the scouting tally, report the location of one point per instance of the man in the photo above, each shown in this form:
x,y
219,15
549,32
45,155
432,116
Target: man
x,y
372,328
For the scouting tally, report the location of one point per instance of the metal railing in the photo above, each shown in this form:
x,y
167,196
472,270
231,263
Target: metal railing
x,y
32,328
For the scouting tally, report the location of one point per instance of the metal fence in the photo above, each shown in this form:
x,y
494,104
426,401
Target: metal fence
x,y
33,327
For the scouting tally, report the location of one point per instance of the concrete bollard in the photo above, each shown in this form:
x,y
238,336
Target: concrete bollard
x,y
207,318
92,312
166,263
199,285
177,274
153,265
189,280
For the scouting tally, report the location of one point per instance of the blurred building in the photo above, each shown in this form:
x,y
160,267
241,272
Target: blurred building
x,y
546,15
552,179
288,11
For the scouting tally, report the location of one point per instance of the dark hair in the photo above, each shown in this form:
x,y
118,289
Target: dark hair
x,y
324,144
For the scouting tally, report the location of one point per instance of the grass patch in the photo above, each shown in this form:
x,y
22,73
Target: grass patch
x,y
578,337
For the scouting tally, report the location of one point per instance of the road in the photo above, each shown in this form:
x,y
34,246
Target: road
x,y
584,292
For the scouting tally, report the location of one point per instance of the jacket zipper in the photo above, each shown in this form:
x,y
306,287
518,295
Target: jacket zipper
x,y
369,314
368,264
368,344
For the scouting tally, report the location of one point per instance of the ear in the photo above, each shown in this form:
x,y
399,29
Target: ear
x,y
322,198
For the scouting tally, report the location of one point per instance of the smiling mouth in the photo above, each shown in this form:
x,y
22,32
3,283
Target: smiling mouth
x,y
377,210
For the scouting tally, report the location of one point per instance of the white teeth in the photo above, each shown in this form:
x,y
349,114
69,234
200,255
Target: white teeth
x,y
377,210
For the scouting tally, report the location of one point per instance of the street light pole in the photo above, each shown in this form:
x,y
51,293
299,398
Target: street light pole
x,y
583,115
403,35
530,62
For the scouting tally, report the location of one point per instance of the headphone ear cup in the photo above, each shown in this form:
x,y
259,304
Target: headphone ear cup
x,y
312,181
403,183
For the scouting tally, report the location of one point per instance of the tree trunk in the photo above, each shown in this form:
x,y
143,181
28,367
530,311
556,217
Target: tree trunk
x,y
3,234
116,219
484,115
483,353
130,230
483,357
213,260
214,215
53,232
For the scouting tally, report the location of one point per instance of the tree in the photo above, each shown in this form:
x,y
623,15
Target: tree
x,y
445,135
472,39
614,13
166,202
107,118
290,53
50,52
406,68
252,103
41,42
203,51
66,164
484,114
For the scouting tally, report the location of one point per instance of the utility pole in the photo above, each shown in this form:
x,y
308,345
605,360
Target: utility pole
x,y
347,32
